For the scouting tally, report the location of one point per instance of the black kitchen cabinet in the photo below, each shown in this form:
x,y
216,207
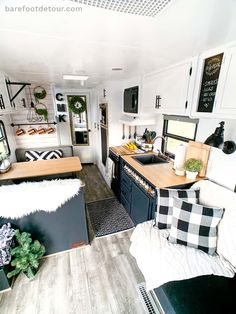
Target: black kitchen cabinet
x,y
125,191
139,204
138,195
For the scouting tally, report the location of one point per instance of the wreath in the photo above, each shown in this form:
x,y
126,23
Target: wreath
x,y
76,104
39,92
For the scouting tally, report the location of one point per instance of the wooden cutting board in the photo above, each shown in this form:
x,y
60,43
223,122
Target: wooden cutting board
x,y
200,151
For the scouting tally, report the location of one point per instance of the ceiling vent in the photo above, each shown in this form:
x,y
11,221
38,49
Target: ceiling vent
x,y
137,7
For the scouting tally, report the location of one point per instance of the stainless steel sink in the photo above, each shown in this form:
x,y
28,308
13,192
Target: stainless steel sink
x,y
149,159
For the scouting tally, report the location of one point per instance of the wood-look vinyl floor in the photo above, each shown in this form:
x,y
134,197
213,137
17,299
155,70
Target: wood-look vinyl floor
x,y
97,279
95,186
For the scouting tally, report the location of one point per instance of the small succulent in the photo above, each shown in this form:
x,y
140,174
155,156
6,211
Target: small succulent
x,y
193,165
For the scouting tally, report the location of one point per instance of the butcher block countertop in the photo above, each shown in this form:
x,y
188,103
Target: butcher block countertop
x,y
20,170
121,150
160,175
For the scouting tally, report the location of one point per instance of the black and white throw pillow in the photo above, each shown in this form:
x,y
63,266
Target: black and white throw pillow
x,y
163,216
32,155
195,225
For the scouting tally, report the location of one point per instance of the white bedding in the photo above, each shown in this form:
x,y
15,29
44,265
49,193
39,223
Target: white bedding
x,y
161,261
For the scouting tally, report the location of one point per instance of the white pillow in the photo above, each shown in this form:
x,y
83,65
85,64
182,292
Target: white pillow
x,y
212,194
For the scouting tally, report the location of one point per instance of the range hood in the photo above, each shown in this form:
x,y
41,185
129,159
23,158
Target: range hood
x,y
138,120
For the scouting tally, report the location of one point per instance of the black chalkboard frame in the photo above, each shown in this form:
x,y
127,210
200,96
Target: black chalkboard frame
x,y
209,82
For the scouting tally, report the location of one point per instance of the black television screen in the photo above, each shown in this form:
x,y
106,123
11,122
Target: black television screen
x,y
131,100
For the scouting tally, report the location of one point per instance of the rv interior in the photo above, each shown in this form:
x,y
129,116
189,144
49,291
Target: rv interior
x,y
117,156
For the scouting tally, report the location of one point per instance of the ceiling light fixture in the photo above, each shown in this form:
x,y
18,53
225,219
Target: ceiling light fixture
x,y
116,69
75,77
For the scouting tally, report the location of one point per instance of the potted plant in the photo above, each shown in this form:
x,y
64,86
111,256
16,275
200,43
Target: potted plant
x,y
192,167
26,255
41,110
5,164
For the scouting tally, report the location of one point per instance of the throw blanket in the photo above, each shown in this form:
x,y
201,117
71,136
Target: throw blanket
x,y
28,197
161,261
6,235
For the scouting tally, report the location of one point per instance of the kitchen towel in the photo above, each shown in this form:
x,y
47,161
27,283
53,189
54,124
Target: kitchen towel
x,y
180,155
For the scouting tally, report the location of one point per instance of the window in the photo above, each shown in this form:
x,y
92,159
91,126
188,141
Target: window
x,y
177,130
4,146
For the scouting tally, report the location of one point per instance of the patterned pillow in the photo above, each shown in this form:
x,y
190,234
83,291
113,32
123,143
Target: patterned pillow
x,y
32,155
195,225
163,217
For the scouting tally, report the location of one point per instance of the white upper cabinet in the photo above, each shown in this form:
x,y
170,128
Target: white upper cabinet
x,y
226,99
215,92
170,90
5,105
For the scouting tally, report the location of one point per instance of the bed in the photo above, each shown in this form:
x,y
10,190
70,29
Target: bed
x,y
186,280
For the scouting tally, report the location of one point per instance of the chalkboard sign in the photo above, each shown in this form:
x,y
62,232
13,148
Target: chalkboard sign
x,y
210,79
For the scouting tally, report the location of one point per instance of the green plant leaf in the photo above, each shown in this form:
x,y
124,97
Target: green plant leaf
x,y
42,112
30,273
36,245
13,273
35,263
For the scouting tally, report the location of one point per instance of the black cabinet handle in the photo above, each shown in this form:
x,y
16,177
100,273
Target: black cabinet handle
x,y
158,105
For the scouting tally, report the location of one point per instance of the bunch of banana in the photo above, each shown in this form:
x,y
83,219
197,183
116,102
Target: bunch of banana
x,y
131,145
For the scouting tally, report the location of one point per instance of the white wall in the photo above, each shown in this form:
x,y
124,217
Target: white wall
x,y
36,140
10,135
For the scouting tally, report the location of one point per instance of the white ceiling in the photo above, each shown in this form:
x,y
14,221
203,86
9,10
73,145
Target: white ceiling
x,y
41,47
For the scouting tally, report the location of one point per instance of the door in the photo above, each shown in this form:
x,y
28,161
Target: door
x,y
104,144
167,91
139,211
174,89
150,92
79,117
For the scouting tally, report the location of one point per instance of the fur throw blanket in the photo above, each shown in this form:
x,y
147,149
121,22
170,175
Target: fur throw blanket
x,y
18,200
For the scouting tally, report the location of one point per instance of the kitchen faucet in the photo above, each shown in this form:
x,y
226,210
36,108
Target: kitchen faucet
x,y
158,150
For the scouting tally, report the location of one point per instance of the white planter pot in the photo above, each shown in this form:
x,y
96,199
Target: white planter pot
x,y
191,175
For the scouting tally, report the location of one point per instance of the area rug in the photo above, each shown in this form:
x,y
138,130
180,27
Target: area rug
x,y
108,216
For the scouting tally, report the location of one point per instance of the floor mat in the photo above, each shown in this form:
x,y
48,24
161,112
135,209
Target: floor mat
x,y
108,216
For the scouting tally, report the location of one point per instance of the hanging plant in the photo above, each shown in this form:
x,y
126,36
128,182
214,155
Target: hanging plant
x,y
39,92
41,111
76,104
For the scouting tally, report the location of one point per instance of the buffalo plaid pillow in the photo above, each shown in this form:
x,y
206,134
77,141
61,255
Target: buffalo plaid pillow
x,y
163,217
195,225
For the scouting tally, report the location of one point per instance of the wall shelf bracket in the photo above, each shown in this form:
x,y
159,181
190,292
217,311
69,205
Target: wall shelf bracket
x,y
22,86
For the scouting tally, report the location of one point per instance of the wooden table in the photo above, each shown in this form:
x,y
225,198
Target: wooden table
x,y
20,170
